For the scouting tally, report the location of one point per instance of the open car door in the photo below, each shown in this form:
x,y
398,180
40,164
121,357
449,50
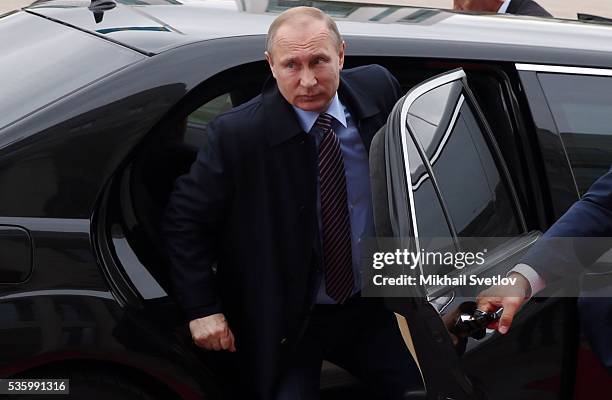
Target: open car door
x,y
441,185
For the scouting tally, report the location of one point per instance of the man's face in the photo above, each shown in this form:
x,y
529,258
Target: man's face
x,y
477,5
306,61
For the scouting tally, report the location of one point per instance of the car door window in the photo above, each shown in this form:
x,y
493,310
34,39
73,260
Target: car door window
x,y
477,199
195,132
580,105
471,186
209,110
458,183
434,230
432,221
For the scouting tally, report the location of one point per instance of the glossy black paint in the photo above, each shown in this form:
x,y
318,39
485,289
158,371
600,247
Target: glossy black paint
x,y
29,86
15,254
61,160
80,140
88,328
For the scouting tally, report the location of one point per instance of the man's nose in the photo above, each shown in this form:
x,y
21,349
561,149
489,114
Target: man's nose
x,y
308,78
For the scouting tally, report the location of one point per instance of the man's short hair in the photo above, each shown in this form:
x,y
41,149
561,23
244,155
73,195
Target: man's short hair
x,y
295,12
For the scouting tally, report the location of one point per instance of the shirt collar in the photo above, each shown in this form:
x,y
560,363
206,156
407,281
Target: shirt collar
x,y
504,7
307,119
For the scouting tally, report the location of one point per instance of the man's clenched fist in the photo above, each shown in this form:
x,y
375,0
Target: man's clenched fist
x,y
212,333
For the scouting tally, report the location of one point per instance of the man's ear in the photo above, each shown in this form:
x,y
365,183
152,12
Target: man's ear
x,y
341,54
270,63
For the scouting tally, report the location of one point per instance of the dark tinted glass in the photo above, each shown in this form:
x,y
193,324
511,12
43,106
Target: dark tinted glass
x,y
44,61
195,134
478,202
582,109
430,217
434,232
430,114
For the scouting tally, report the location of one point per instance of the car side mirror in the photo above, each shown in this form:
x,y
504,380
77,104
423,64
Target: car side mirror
x,y
98,7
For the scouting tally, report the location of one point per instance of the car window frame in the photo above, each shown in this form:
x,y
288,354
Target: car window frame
x,y
415,93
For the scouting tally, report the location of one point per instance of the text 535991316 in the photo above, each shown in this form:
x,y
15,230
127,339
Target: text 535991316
x,y
31,386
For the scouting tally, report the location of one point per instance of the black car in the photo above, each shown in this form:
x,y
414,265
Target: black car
x,y
103,104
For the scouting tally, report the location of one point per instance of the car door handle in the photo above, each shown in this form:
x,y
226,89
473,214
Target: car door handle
x,y
473,322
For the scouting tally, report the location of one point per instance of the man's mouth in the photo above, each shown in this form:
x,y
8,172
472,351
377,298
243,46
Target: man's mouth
x,y
309,97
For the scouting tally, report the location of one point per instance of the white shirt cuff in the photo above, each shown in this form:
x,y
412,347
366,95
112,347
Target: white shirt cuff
x,y
536,282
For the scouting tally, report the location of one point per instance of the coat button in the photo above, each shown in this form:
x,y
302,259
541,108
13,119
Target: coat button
x,y
284,340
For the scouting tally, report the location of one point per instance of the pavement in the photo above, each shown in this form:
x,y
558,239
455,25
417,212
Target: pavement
x,y
9,5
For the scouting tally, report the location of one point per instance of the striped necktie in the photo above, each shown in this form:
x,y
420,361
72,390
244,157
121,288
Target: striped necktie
x,y
336,228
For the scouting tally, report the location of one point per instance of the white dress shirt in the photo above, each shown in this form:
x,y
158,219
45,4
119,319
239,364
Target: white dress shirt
x,y
536,282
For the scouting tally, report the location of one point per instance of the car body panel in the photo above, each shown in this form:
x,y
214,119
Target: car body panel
x,y
79,141
508,38
15,254
87,326
34,84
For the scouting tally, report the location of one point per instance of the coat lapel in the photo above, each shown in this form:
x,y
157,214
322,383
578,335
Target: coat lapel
x,y
281,121
361,107
283,124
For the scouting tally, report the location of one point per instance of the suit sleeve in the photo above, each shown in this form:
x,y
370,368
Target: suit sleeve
x,y
192,224
578,238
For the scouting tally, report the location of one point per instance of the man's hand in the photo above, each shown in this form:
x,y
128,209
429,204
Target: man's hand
x,y
212,333
510,297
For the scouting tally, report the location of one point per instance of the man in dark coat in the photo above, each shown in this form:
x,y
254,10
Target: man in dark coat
x,y
280,199
518,7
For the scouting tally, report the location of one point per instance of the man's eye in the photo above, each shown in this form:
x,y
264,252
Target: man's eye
x,y
290,65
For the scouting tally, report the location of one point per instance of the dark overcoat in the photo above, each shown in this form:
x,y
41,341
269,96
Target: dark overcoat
x,y
574,243
527,7
248,206
578,238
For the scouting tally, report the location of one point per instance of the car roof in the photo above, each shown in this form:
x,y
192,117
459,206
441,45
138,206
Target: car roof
x,y
154,26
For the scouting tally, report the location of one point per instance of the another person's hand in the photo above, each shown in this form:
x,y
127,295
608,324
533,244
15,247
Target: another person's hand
x,y
510,297
212,333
